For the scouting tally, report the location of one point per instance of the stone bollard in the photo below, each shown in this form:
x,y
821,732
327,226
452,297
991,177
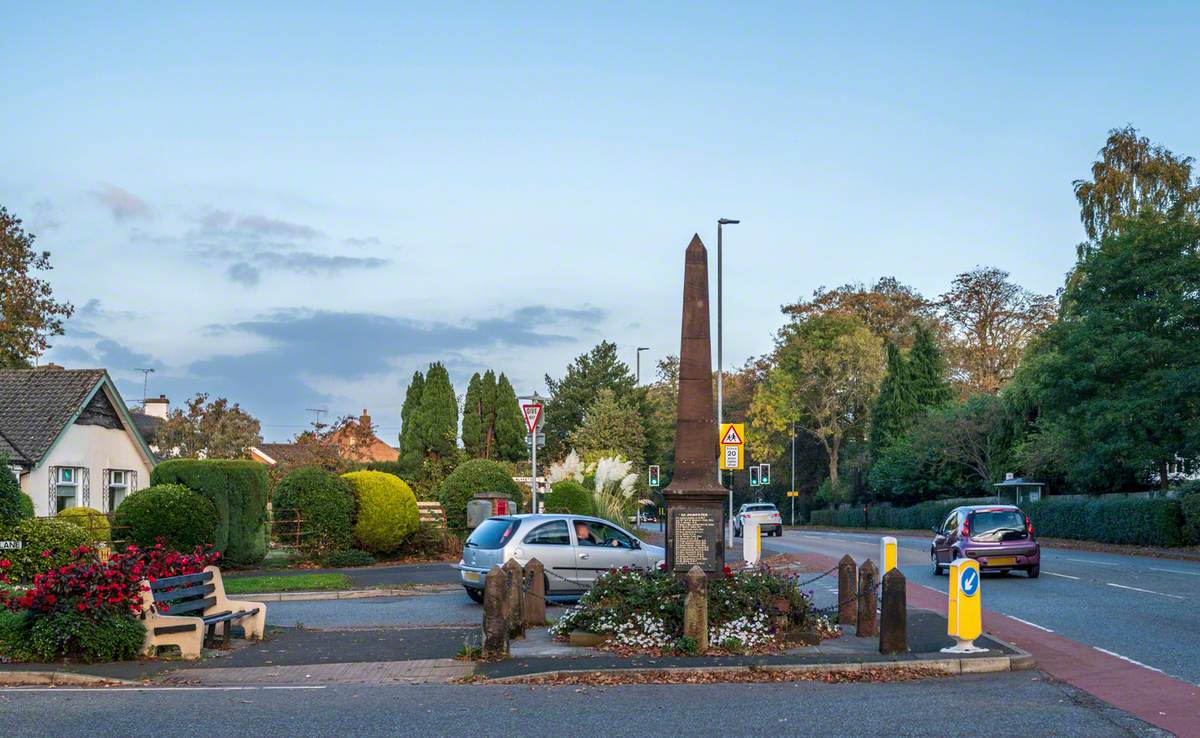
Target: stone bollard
x,y
535,593
847,591
495,615
868,601
695,608
893,614
516,598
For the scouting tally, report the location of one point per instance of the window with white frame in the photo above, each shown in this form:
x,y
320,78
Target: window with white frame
x,y
66,487
120,483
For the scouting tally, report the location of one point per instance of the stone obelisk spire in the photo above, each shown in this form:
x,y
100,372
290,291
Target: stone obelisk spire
x,y
695,518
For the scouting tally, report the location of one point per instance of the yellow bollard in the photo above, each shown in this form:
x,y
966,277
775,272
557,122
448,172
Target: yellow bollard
x,y
887,555
964,622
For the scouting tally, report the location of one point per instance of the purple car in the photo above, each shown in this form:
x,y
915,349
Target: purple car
x,y
999,537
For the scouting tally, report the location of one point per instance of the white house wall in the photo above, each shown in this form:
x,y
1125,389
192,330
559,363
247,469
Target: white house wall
x,y
91,447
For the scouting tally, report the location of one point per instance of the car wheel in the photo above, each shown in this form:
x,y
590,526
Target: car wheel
x,y
475,594
934,565
1033,571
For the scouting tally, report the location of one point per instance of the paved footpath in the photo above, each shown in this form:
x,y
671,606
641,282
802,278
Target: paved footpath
x,y
1082,600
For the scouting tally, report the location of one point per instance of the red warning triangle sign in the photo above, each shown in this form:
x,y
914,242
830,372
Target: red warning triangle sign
x,y
533,414
731,437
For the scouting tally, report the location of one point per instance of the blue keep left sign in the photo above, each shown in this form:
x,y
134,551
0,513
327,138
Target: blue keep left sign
x,y
968,581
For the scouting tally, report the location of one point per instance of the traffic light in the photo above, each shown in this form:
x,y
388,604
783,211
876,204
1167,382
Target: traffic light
x,y
652,472
764,476
754,472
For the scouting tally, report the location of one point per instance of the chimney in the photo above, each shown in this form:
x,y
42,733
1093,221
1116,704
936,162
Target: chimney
x,y
157,406
364,420
51,367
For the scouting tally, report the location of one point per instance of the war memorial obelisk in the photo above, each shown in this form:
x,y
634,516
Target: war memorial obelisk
x,y
695,501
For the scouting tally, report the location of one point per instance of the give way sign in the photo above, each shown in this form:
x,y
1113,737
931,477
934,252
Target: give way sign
x,y
533,415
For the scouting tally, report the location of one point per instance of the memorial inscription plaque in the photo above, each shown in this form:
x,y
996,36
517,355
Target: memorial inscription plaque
x,y
697,539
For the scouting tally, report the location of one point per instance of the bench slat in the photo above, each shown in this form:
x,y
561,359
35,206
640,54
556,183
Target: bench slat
x,y
191,605
182,580
186,592
223,616
166,629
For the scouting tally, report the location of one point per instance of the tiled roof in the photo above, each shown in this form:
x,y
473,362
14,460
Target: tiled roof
x,y
35,404
282,453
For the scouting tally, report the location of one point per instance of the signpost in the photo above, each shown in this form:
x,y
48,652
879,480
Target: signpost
x,y
532,410
793,494
732,458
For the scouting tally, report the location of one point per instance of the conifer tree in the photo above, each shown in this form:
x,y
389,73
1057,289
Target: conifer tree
x,y
437,421
927,371
473,423
895,406
488,399
411,449
510,424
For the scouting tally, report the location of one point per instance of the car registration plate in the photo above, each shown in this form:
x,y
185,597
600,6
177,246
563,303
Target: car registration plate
x,y
471,576
1002,561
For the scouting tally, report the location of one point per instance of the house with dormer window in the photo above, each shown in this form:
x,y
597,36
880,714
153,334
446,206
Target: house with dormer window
x,y
70,439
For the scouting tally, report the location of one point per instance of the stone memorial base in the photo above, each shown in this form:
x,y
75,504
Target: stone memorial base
x,y
696,533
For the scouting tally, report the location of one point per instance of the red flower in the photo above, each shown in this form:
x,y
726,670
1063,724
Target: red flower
x,y
47,554
727,570
82,607
5,563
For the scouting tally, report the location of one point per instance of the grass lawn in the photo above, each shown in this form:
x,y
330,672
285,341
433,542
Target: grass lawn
x,y
297,583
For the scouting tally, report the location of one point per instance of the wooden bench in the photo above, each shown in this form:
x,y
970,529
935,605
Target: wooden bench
x,y
167,602
431,512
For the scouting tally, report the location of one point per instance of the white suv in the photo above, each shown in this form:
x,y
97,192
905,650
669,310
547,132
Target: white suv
x,y
763,513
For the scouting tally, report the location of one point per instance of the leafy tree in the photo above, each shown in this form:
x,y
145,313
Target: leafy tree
x,y
473,423
510,429
1133,175
1117,379
826,373
11,497
214,430
889,308
896,405
29,315
569,396
610,428
992,320
411,450
975,436
437,418
928,374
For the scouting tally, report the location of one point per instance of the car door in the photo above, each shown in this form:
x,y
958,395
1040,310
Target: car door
x,y
550,543
608,548
944,539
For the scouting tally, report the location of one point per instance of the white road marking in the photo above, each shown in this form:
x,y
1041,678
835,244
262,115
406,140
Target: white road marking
x,y
1089,561
1177,571
1032,625
1056,574
160,689
1139,589
1126,658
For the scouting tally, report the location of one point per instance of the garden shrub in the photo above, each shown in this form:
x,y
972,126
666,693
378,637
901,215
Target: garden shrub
x,y
428,542
387,510
14,635
93,521
569,497
349,557
182,518
47,543
114,637
324,503
1189,505
238,489
395,468
477,475
13,502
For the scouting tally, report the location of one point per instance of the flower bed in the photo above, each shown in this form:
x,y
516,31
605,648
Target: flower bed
x,y
748,611
86,608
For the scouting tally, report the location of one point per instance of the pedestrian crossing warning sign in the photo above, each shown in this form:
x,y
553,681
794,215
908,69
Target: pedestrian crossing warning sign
x,y
732,435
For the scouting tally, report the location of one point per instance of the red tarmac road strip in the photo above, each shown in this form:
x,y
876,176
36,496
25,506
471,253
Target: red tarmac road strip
x,y
1170,704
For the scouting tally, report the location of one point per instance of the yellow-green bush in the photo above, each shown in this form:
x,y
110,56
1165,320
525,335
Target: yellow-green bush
x,y
387,510
93,521
41,536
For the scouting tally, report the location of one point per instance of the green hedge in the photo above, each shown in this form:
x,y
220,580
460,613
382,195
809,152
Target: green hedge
x,y
477,475
12,500
182,517
1134,521
569,497
238,489
387,510
39,535
324,503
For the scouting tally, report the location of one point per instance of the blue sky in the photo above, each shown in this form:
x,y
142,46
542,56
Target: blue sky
x,y
297,205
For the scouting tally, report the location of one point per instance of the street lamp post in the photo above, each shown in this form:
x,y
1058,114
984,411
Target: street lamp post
x,y
793,487
721,223
639,363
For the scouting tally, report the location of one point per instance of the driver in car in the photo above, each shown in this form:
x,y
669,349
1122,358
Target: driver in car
x,y
584,533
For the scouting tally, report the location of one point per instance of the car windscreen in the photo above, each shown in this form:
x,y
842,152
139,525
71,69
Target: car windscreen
x,y
995,523
493,533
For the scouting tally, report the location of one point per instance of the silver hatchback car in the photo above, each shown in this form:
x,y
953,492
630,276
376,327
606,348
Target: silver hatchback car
x,y
574,549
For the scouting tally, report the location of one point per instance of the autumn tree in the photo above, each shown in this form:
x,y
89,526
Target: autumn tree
x,y
610,427
825,374
203,429
888,307
991,321
29,314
